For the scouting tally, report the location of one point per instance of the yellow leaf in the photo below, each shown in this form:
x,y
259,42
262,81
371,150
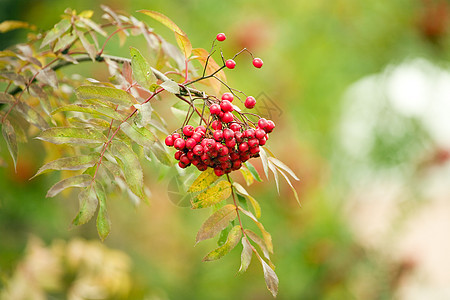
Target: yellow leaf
x,y
204,180
6,26
213,195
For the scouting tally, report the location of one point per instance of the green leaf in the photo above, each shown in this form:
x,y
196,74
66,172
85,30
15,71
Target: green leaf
x,y
69,163
88,205
259,241
270,277
144,114
266,236
64,41
141,69
246,255
6,98
58,30
204,180
283,167
90,109
248,177
103,222
90,49
224,234
82,180
32,116
72,135
216,222
213,195
233,239
252,170
131,168
142,136
113,95
171,86
9,135
181,37
93,26
256,207
275,175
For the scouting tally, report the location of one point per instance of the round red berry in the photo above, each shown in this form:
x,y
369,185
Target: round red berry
x,y
227,117
218,171
239,136
182,165
225,105
202,167
259,133
228,134
257,62
249,133
190,155
262,123
250,102
188,130
169,141
262,141
218,135
228,96
190,143
230,64
235,127
253,143
200,129
254,150
197,136
216,125
178,155
221,37
270,126
230,143
243,147
215,109
175,136
179,144
198,150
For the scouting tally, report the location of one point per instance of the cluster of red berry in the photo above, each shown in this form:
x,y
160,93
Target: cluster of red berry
x,y
224,144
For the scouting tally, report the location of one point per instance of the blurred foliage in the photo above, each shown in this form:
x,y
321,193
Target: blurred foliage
x,y
313,51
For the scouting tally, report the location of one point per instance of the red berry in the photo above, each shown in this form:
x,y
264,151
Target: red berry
x,y
197,137
214,109
262,123
218,171
190,143
234,156
239,136
224,158
230,143
209,143
228,134
200,129
216,125
190,155
262,141
184,159
235,127
182,165
230,64
218,135
195,161
202,167
246,156
225,105
249,133
222,150
254,150
270,126
178,155
221,37
236,165
227,117
243,147
169,141
179,144
257,62
253,143
250,102
259,133
188,130
198,150
175,136
228,96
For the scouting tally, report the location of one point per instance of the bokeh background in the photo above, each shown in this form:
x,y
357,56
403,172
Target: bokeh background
x,y
360,93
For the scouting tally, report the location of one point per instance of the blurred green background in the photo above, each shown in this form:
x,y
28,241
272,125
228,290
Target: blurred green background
x,y
359,91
